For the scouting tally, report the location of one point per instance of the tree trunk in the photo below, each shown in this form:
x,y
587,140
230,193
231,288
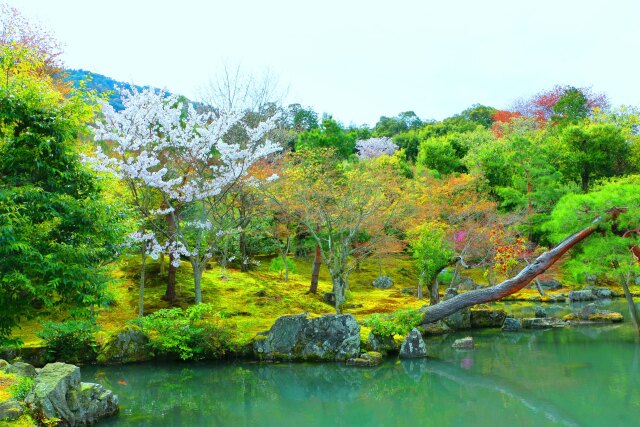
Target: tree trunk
x,y
170,292
433,313
338,292
435,294
197,278
420,282
315,272
141,294
244,265
633,310
584,176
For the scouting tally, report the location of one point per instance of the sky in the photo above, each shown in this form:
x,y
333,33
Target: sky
x,y
358,60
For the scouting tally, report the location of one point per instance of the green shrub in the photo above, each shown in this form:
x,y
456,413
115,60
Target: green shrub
x,y
70,341
397,323
194,333
20,390
277,265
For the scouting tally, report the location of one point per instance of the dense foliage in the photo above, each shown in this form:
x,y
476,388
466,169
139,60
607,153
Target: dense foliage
x,y
226,184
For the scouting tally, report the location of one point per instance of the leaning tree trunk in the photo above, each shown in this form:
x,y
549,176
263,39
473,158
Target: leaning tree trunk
x,y
433,313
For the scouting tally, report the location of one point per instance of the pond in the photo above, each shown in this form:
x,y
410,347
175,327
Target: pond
x,y
587,376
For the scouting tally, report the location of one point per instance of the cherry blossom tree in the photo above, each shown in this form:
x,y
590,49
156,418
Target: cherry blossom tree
x,y
163,146
375,147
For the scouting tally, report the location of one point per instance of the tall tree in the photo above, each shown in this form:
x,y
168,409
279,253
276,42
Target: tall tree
x,y
57,232
594,151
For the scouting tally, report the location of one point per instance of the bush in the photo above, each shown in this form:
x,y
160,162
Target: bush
x,y
194,333
20,390
397,323
71,341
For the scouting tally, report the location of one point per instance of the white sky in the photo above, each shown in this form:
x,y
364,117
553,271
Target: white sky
x,y
358,60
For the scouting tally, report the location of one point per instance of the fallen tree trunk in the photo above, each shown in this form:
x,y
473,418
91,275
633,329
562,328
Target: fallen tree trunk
x,y
433,313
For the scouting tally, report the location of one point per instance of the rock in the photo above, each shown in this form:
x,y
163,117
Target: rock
x,y
329,298
542,323
3,364
413,346
467,284
511,325
300,337
603,293
540,312
583,295
129,344
449,293
58,393
550,284
459,320
371,358
410,291
382,282
606,316
261,293
20,369
437,328
487,318
379,343
465,343
587,311
591,278
590,313
10,410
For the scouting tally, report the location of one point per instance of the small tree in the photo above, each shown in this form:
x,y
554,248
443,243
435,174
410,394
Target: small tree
x,y
432,253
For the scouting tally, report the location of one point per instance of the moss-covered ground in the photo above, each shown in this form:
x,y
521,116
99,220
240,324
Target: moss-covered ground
x,y
251,301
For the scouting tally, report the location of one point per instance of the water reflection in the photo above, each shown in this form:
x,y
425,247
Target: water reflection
x,y
582,376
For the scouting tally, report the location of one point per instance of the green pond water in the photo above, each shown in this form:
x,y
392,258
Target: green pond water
x,y
588,376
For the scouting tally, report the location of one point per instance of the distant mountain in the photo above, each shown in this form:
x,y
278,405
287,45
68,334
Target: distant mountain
x,y
101,84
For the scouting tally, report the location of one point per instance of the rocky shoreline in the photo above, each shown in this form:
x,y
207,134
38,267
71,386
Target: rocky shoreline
x,y
54,395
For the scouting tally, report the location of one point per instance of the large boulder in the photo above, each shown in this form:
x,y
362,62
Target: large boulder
x,y
413,346
487,318
382,282
583,295
129,344
300,337
58,393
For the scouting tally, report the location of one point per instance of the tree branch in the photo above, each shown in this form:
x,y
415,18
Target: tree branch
x,y
443,309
